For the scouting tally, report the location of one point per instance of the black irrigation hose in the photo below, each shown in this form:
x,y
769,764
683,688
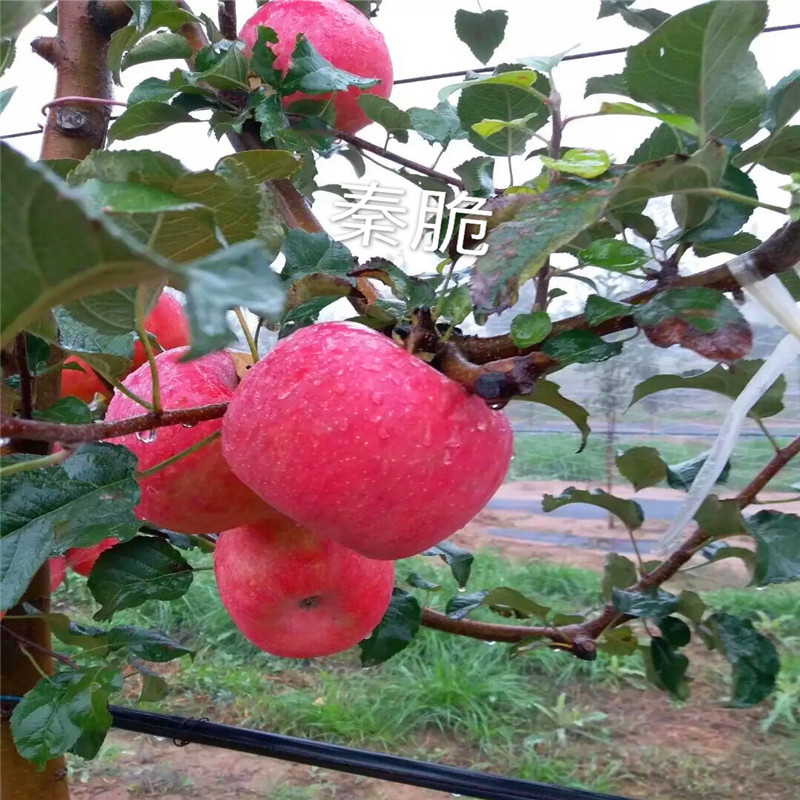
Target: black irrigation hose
x,y
187,730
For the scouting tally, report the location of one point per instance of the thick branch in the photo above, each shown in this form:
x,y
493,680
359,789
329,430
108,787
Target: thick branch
x,y
78,53
580,639
777,254
81,434
227,19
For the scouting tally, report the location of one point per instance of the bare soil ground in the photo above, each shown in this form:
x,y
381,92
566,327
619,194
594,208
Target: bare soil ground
x,y
658,750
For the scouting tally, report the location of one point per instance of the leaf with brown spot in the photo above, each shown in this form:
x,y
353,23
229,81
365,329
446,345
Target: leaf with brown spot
x,y
701,319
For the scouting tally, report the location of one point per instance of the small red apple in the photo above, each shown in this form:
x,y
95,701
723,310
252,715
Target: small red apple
x,y
198,493
84,383
168,323
345,432
342,35
58,571
82,559
296,594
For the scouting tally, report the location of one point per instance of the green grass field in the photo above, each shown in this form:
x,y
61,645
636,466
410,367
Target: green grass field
x,y
541,715
552,456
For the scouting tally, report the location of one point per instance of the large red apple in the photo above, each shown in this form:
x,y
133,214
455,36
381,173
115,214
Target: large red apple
x,y
168,323
342,34
198,493
296,594
348,434
83,559
83,383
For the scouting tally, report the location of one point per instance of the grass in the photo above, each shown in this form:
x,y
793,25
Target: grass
x,y
449,698
552,456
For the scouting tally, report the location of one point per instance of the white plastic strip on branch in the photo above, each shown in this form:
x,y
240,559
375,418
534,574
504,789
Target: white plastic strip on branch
x,y
774,298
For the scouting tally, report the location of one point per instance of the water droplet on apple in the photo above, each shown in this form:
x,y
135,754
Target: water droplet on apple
x,y
449,456
454,440
284,393
188,424
482,425
376,398
148,437
383,432
342,425
426,439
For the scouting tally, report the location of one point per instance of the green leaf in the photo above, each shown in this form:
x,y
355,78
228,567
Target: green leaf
x,y
154,688
549,394
642,466
682,475
675,631
614,255
679,121
395,631
308,253
511,603
605,84
729,382
7,54
457,304
621,641
530,329
418,582
752,656
646,19
482,32
69,410
629,512
619,573
600,309
150,645
783,102
719,518
662,142
52,717
780,152
157,47
718,551
545,63
136,571
702,170
478,176
670,667
236,276
89,497
461,604
16,14
309,72
146,118
504,98
131,198
580,347
54,249
261,165
519,247
654,603
222,65
778,538
581,162
5,97
439,125
457,558
697,63
691,606
739,243
386,114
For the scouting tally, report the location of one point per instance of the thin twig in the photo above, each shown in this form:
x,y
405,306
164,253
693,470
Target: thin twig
x,y
24,640
38,430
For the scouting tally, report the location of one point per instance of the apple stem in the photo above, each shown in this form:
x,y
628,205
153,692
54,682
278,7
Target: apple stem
x,y
251,342
178,456
141,329
35,463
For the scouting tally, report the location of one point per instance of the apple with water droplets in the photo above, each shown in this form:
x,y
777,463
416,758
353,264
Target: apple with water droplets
x,y
298,595
342,35
83,382
197,493
353,437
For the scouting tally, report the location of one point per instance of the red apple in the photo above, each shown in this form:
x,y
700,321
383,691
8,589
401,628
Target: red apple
x,y
84,383
168,323
82,559
58,571
342,34
296,594
345,432
198,493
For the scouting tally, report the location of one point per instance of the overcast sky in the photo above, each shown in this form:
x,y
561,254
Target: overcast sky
x,y
422,40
